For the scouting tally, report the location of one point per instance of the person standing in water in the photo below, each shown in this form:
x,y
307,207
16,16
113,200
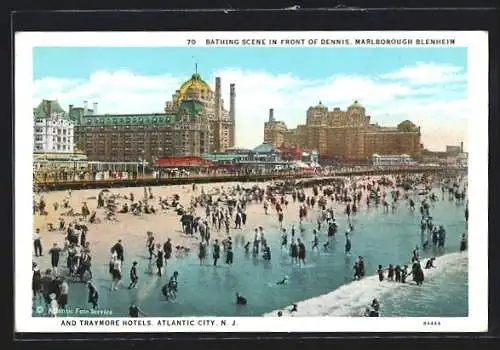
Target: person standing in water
x,y
302,252
467,213
284,239
135,311
118,248
133,276
390,272
315,241
361,266
416,254
229,251
62,300
380,272
150,244
404,273
160,257
397,272
294,251
357,271
167,249
463,243
280,218
347,243
116,273
216,252
202,252
93,297
256,242
441,236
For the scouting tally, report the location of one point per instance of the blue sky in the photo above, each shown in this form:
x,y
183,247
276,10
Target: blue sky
x,y
425,85
309,63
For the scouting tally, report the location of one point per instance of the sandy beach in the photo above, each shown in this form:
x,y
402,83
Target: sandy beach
x,y
324,270
132,229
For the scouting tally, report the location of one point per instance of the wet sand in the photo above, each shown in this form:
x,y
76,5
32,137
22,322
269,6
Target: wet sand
x,y
132,229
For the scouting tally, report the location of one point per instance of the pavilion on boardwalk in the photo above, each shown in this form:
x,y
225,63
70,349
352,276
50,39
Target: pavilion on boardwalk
x,y
263,158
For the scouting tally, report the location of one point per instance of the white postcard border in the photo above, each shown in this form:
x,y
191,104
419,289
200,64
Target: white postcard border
x,y
477,321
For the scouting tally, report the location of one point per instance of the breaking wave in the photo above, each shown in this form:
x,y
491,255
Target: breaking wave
x,y
351,299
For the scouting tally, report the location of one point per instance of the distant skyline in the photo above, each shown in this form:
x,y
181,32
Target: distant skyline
x,y
425,85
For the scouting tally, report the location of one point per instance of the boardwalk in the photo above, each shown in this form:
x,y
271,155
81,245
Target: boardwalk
x,y
184,180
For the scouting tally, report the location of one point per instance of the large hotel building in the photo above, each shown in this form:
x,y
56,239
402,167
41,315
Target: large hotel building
x,y
195,121
345,136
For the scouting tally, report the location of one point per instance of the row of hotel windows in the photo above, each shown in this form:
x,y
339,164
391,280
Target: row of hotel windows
x,y
64,131
130,120
53,121
40,147
122,127
147,136
54,139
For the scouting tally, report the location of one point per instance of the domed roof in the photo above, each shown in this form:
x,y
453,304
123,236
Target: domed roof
x,y
356,104
195,84
320,106
407,126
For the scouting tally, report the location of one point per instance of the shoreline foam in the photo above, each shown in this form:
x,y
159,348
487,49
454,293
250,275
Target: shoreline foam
x,y
351,299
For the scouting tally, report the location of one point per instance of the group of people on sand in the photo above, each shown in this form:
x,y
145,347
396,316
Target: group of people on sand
x,y
226,212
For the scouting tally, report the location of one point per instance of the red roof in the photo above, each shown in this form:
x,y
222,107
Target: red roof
x,y
291,151
182,162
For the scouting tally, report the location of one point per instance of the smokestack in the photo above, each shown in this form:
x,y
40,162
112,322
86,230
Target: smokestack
x,y
271,115
232,101
85,107
217,87
462,147
217,97
232,113
95,108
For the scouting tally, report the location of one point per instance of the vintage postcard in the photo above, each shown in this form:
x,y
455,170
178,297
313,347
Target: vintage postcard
x,y
251,182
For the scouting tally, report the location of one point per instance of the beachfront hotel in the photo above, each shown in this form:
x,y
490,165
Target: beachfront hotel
x,y
194,122
344,135
52,129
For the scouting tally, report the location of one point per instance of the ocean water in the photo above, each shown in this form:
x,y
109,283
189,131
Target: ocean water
x,y
324,286
444,294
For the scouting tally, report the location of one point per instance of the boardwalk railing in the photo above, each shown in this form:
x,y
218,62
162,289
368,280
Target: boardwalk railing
x,y
191,179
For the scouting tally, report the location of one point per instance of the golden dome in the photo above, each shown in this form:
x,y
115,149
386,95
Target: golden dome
x,y
356,104
195,84
407,126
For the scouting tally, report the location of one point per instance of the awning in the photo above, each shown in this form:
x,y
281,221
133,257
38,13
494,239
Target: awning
x,y
182,162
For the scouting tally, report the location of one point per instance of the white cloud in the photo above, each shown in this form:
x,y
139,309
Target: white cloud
x,y
437,102
428,73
